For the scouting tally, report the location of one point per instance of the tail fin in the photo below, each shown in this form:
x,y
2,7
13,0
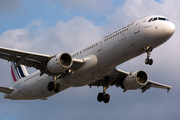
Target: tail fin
x,y
18,73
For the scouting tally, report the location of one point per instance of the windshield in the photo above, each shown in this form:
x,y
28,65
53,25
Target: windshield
x,y
157,18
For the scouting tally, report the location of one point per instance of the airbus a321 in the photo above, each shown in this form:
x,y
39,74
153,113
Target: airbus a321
x,y
93,65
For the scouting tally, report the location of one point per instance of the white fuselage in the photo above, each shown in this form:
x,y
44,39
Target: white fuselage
x,y
110,51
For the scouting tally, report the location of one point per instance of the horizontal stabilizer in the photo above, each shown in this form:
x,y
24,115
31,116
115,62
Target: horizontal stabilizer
x,y
44,98
6,90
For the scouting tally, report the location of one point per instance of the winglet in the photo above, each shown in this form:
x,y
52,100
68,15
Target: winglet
x,y
168,89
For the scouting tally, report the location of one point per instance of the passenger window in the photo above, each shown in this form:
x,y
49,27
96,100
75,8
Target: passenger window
x,y
150,20
155,19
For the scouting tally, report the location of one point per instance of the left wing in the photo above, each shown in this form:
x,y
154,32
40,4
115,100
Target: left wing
x,y
116,78
29,59
26,58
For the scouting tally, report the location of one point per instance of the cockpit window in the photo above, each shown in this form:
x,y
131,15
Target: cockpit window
x,y
155,19
158,18
150,20
162,18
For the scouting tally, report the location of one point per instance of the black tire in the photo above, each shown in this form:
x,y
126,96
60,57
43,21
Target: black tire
x,y
147,61
150,61
106,98
100,97
50,86
57,88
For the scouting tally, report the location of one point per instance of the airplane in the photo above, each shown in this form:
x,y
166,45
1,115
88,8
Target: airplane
x,y
92,65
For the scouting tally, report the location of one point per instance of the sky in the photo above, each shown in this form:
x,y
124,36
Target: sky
x,y
55,26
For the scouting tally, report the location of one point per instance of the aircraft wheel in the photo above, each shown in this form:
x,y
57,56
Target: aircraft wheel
x,y
147,61
50,86
150,61
100,97
106,98
57,88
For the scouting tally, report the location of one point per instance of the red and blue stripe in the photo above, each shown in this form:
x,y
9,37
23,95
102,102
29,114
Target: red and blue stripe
x,y
17,73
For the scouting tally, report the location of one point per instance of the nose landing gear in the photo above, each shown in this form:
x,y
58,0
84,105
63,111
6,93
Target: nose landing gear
x,y
148,50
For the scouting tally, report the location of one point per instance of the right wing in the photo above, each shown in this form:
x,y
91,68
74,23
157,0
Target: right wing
x,y
116,77
155,85
6,90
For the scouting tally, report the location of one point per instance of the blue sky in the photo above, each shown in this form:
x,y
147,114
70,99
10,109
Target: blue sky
x,y
52,26
51,11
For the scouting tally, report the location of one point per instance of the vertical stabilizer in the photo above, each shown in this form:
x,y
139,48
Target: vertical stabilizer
x,y
18,73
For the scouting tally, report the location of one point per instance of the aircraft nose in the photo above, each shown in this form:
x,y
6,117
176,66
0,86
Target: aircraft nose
x,y
169,29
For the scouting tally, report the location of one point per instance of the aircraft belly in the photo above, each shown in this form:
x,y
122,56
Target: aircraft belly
x,y
80,78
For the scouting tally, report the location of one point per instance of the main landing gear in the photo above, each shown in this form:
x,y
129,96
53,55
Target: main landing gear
x,y
148,50
103,96
56,86
53,85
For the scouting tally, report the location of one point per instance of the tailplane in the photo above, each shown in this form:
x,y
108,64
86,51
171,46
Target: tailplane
x,y
18,73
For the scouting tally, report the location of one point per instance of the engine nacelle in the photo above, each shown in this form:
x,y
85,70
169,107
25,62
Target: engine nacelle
x,y
135,80
60,63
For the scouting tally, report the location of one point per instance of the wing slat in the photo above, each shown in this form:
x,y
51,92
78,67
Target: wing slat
x,y
30,55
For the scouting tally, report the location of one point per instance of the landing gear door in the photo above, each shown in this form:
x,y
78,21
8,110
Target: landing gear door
x,y
99,46
137,27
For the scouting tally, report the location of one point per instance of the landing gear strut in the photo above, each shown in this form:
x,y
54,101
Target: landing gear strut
x,y
148,50
53,85
56,86
103,96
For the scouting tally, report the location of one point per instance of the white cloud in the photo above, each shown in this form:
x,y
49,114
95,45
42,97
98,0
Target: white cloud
x,y
132,10
37,22
74,33
15,38
63,37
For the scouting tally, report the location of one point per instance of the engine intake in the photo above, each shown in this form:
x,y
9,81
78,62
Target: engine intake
x,y
135,80
59,63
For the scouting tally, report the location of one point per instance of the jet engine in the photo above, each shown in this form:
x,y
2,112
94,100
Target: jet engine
x,y
59,63
135,80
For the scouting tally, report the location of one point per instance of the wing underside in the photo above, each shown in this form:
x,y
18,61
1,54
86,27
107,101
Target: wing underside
x,y
26,58
116,78
29,59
